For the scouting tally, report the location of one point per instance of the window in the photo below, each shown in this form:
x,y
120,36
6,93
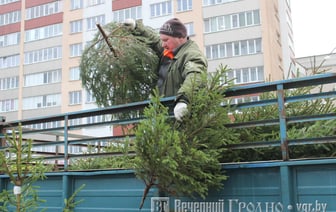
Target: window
x,y
42,78
256,17
76,50
247,75
10,18
190,28
75,97
221,23
94,119
9,83
74,122
76,26
257,45
92,21
184,5
214,52
10,39
51,77
45,125
8,105
249,18
245,99
76,4
230,75
222,51
132,12
45,149
207,25
89,97
213,2
73,149
226,22
9,61
44,10
251,46
43,32
95,2
2,2
236,48
243,47
254,75
35,102
234,22
229,48
74,73
238,76
161,9
42,55
242,21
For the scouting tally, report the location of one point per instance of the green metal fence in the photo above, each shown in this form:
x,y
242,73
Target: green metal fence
x,y
286,184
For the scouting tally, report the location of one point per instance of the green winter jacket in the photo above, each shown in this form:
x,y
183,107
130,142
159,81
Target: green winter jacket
x,y
186,66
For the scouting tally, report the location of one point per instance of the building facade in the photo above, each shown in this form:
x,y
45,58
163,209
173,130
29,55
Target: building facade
x,y
41,43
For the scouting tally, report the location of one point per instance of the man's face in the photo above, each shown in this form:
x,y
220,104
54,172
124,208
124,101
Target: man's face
x,y
170,43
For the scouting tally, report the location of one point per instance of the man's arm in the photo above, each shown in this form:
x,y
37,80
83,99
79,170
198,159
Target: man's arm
x,y
145,34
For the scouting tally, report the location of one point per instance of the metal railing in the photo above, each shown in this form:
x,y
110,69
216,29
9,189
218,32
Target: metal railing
x,y
65,131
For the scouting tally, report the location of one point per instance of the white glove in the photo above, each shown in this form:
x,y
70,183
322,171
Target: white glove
x,y
180,110
129,24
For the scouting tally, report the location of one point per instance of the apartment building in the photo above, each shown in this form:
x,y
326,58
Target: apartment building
x,y
41,42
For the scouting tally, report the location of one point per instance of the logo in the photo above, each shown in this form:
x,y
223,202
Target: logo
x,y
160,204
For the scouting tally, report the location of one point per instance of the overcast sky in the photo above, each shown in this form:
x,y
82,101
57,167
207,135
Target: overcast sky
x,y
314,26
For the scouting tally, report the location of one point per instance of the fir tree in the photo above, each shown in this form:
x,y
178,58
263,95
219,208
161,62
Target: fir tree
x,y
183,158
118,67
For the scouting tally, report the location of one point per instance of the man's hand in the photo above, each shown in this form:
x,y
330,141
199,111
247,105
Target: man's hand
x,y
180,110
129,24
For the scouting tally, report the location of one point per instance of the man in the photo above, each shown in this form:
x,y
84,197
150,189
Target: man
x,y
181,60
